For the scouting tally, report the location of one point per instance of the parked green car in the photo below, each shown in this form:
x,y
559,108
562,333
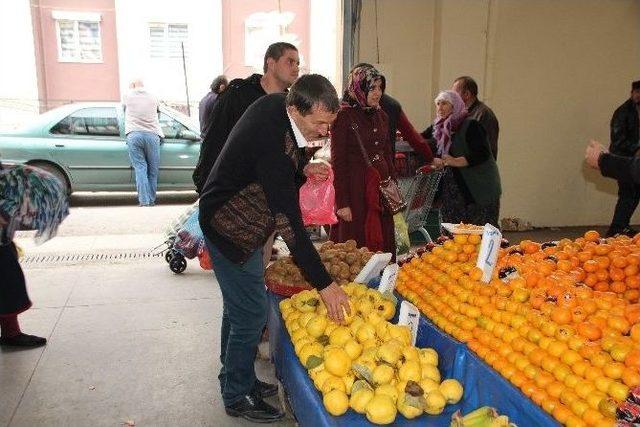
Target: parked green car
x,y
84,145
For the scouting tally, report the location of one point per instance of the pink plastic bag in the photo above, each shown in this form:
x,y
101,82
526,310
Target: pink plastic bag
x,y
317,201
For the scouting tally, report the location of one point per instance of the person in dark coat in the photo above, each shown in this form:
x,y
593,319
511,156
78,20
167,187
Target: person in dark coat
x,y
470,187
251,192
205,107
467,88
625,141
281,69
359,218
13,294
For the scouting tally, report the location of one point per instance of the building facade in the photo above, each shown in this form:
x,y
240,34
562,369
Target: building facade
x,y
74,50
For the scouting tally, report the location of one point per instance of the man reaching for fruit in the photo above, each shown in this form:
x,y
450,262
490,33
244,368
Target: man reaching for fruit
x,y
250,193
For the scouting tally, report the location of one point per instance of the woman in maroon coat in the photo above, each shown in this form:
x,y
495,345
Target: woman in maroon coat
x,y
362,218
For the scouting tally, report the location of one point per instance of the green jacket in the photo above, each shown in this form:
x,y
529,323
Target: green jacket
x,y
483,180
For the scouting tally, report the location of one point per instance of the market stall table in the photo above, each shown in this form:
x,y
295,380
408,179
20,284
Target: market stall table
x,y
482,385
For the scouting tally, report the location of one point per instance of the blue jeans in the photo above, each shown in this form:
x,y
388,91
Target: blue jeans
x,y
144,154
244,316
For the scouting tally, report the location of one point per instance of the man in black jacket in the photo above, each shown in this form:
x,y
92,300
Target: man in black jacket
x,y
625,135
251,192
281,68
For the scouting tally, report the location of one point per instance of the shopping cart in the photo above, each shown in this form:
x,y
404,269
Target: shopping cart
x,y
183,240
419,192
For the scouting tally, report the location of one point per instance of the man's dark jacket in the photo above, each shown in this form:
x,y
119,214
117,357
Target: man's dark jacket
x,y
624,130
228,109
253,188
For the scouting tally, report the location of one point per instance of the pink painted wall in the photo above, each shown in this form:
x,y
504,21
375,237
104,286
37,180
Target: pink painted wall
x,y
64,82
234,13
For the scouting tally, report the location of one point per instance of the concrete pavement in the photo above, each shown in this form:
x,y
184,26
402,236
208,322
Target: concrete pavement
x,y
129,341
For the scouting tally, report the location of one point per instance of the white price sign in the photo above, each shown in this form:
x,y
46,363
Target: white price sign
x,y
409,316
388,280
489,248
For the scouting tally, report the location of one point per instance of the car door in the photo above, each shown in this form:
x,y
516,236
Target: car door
x,y
90,144
179,154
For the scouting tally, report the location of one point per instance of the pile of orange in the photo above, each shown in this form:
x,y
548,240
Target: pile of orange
x,y
574,349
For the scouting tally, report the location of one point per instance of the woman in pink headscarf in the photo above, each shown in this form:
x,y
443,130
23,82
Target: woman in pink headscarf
x,y
470,188
361,216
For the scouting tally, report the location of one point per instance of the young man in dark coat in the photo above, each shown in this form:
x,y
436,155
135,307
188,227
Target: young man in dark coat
x,y
625,135
281,69
251,192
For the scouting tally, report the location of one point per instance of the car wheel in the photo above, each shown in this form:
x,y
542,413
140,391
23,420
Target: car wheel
x,y
55,171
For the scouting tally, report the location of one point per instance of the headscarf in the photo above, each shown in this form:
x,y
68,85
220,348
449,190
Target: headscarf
x,y
444,127
361,79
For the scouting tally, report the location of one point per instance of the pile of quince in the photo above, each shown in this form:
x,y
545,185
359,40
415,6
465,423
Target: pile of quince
x,y
367,363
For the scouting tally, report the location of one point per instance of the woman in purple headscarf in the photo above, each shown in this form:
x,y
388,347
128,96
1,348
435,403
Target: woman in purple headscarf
x,y
361,216
470,188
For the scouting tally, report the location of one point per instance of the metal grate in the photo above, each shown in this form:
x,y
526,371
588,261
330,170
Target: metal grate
x,y
87,257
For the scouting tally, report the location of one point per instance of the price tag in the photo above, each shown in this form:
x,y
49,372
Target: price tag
x,y
489,248
410,316
388,281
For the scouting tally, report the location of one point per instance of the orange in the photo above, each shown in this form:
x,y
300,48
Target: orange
x,y
616,274
561,316
592,236
590,266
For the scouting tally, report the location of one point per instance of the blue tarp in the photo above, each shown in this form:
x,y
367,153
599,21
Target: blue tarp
x,y
482,384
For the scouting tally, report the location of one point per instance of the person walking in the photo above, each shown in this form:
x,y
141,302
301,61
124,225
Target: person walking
x,y
251,192
625,141
143,132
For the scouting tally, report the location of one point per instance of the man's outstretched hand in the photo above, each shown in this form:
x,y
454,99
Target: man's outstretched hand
x,y
592,155
335,299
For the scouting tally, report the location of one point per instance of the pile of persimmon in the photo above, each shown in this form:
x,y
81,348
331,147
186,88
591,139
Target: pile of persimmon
x,y
605,265
574,350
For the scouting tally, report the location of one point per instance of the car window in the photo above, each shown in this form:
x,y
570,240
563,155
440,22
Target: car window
x,y
170,126
96,121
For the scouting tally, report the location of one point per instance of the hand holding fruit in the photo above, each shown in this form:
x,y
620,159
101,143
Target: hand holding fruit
x,y
345,214
336,300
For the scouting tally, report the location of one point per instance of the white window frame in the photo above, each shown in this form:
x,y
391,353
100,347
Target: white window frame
x,y
165,27
77,17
